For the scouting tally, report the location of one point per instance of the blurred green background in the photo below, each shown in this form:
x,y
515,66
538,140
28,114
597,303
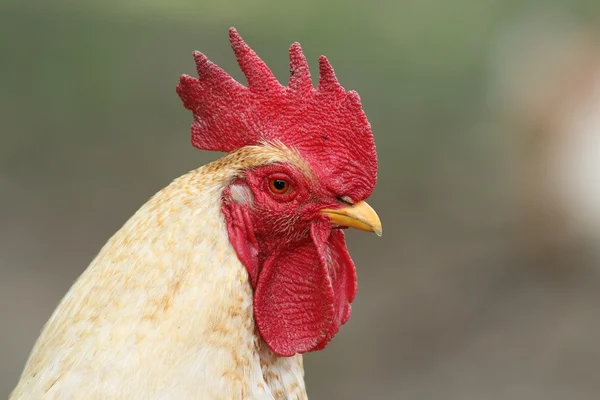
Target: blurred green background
x,y
91,127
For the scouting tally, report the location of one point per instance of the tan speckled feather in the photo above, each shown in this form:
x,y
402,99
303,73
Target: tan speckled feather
x,y
165,309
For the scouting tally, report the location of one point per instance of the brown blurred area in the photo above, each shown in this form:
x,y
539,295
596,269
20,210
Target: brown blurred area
x,y
484,284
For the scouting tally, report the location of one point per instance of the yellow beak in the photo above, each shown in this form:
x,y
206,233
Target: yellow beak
x,y
360,216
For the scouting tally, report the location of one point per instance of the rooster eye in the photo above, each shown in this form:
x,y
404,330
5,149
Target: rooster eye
x,y
279,186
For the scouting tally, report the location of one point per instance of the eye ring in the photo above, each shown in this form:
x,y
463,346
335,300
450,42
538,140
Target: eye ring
x,y
279,186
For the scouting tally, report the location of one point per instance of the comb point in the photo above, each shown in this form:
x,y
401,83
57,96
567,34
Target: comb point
x,y
299,72
202,63
258,75
327,80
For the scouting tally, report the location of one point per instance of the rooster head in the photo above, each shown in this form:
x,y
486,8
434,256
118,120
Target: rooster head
x,y
284,218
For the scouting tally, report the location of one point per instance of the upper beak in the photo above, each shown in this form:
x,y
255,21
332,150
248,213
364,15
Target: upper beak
x,y
360,216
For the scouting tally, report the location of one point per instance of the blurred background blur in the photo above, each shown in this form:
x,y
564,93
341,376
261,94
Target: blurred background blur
x,y
487,119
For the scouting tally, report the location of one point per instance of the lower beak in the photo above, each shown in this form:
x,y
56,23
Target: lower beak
x,y
360,216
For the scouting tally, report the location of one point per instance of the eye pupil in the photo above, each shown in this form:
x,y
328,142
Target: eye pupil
x,y
279,184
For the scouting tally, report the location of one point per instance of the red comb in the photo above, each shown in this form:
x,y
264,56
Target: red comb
x,y
321,121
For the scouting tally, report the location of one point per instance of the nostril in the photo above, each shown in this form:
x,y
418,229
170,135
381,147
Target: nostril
x,y
346,200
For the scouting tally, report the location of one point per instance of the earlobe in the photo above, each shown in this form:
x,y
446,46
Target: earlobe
x,y
241,194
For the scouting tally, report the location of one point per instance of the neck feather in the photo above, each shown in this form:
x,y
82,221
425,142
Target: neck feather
x,y
167,297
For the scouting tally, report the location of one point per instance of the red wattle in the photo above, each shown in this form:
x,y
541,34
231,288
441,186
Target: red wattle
x,y
303,294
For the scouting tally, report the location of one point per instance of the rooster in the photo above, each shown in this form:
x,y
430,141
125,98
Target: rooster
x,y
219,283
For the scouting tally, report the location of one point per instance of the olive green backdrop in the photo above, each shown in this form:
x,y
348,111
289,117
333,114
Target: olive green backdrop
x,y
91,127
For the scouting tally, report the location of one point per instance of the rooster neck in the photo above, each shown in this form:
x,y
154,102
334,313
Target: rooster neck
x,y
164,311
